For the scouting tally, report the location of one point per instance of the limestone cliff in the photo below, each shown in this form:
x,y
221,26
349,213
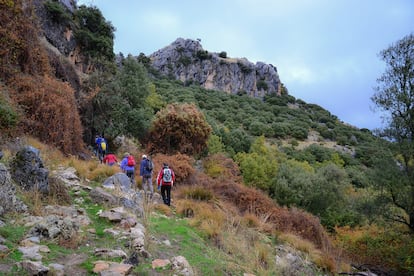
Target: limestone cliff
x,y
186,60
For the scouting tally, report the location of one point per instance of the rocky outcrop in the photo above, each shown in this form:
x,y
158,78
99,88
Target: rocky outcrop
x,y
186,60
28,172
8,200
58,32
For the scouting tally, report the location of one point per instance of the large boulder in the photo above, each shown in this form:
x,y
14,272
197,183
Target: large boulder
x,y
8,200
28,172
118,180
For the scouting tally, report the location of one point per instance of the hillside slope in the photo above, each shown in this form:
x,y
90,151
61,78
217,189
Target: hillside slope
x,y
77,226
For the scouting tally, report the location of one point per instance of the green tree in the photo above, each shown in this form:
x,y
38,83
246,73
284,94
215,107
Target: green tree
x,y
122,106
395,96
95,34
260,165
293,184
235,140
215,145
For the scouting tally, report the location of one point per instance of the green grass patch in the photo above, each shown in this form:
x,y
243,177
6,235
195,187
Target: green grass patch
x,y
13,233
188,242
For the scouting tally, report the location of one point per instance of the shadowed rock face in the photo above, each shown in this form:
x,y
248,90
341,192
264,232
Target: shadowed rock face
x,y
28,172
186,60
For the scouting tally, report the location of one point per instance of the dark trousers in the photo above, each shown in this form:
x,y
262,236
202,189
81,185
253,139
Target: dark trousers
x,y
166,194
131,175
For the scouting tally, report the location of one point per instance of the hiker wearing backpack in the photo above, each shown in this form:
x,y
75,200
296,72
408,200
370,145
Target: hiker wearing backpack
x,y
96,146
165,181
102,146
145,171
110,159
128,166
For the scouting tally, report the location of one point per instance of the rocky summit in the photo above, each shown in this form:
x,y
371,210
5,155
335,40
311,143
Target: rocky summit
x,y
186,60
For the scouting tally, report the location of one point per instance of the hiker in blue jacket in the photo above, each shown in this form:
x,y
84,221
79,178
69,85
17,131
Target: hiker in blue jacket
x,y
145,171
97,144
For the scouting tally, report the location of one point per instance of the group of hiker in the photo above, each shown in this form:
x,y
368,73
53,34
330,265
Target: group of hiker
x,y
165,178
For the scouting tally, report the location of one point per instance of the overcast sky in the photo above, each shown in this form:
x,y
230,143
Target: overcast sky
x,y
326,51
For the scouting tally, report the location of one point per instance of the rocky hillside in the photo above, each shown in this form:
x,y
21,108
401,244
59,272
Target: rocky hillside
x,y
81,226
186,60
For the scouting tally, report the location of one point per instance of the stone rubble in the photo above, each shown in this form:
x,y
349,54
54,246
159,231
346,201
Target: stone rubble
x,y
65,222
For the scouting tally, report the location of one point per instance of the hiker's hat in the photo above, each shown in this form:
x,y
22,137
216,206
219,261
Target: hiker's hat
x,y
144,156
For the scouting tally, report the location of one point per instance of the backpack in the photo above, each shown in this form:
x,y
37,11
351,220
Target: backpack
x,y
167,176
149,166
103,145
131,161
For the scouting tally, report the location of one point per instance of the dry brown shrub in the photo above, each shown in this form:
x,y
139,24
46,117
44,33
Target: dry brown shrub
x,y
50,111
222,167
58,192
20,50
250,200
48,105
179,128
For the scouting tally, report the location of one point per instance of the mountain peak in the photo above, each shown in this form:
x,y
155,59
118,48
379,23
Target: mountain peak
x,y
186,60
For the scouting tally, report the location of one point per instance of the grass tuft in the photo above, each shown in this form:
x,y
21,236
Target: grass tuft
x,y
196,193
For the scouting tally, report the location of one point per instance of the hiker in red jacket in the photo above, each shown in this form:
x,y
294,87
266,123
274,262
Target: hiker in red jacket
x,y
165,181
110,159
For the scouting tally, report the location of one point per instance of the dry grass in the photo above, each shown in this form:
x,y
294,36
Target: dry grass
x,y
33,200
92,169
301,245
51,157
231,233
324,259
102,172
7,156
251,220
163,209
196,192
204,216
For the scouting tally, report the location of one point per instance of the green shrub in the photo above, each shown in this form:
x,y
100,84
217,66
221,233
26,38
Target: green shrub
x,y
245,69
215,144
262,85
8,115
202,55
184,60
57,12
223,54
